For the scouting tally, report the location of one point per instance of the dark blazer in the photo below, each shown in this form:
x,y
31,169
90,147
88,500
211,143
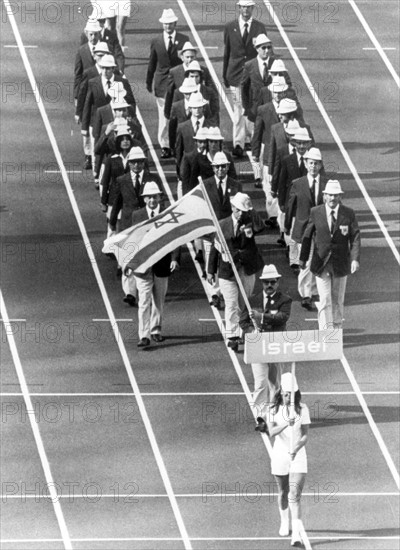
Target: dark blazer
x,y
266,117
222,209
178,115
290,170
96,98
114,46
243,249
113,168
300,204
162,268
185,140
195,164
236,53
271,322
176,77
88,74
212,109
83,61
128,198
160,62
251,85
339,249
279,148
265,96
104,115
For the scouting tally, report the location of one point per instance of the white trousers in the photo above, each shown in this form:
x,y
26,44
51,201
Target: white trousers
x,y
271,206
162,123
331,292
129,285
151,294
267,379
306,284
234,303
294,248
242,127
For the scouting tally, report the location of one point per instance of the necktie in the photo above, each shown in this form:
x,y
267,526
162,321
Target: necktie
x,y
152,214
220,191
265,74
197,126
108,84
333,221
314,181
169,44
245,33
302,167
137,183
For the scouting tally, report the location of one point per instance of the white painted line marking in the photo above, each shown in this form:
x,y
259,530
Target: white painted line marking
x,y
14,320
180,394
390,49
100,282
375,42
371,421
333,131
207,320
211,47
16,45
286,48
59,171
108,320
335,538
29,405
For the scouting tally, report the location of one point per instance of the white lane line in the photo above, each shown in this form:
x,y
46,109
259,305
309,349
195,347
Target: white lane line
x,y
336,538
59,172
108,320
286,48
16,45
14,320
204,54
100,282
179,394
371,421
333,131
375,42
389,49
35,428
270,489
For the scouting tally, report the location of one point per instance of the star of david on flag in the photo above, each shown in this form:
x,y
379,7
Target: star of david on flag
x,y
142,245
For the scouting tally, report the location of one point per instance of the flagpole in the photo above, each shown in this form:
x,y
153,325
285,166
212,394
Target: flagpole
x,y
292,408
226,249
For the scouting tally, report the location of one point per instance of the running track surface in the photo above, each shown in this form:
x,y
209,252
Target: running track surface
x,y
176,463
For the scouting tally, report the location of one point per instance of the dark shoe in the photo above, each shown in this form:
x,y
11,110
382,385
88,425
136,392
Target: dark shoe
x,y
215,301
247,146
272,224
261,426
237,151
295,268
143,343
131,300
233,344
199,257
157,338
281,241
307,304
96,183
165,153
119,272
87,165
258,183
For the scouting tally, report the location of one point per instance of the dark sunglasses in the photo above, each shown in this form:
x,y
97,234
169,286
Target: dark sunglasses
x,y
266,47
271,282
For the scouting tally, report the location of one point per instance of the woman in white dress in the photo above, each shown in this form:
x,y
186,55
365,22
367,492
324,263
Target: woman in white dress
x,y
289,459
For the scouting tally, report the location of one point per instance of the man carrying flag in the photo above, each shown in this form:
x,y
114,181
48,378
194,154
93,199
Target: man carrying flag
x,y
148,250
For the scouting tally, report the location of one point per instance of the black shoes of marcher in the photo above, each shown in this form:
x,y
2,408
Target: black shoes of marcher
x,y
166,153
87,165
307,304
157,338
257,183
237,151
216,301
143,343
131,300
233,344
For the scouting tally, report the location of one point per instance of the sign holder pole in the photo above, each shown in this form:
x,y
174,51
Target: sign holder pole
x,y
292,412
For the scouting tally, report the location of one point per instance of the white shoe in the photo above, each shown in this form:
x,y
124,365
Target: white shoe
x,y
284,528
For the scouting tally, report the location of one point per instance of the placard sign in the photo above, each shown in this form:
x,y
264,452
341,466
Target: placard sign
x,y
293,346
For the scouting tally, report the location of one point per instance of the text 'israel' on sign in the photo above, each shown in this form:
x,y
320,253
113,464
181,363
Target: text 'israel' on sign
x,y
289,346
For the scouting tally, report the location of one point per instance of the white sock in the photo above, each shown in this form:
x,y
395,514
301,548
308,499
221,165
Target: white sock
x,y
284,528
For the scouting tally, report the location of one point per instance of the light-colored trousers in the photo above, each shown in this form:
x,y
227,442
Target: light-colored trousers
x,y
306,284
162,134
331,292
151,294
267,379
234,303
242,127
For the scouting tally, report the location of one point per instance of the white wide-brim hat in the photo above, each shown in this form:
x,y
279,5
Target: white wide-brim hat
x,y
270,272
107,61
101,47
278,84
278,66
151,188
214,133
188,86
242,202
260,40
333,187
136,153
286,105
219,159
301,135
313,153
168,16
197,100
